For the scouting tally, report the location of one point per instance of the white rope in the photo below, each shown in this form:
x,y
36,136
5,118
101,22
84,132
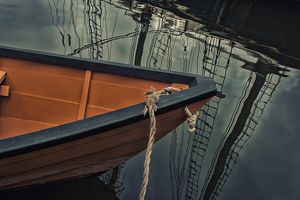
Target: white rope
x,y
150,107
191,119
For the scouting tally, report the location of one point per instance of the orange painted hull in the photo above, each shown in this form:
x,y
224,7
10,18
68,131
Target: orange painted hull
x,y
59,121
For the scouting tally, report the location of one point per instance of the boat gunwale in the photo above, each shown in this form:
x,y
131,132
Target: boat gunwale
x,y
201,87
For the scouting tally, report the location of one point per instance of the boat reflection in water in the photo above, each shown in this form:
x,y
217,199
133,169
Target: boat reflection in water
x,y
208,38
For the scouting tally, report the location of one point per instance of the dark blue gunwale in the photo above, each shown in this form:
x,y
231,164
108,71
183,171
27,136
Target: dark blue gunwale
x,y
201,88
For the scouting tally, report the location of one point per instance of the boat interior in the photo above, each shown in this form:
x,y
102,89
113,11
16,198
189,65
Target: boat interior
x,y
36,96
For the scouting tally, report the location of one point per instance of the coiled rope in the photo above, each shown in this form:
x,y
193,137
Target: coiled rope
x,y
151,99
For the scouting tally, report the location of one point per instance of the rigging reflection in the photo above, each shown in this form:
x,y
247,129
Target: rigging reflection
x,y
206,53
250,108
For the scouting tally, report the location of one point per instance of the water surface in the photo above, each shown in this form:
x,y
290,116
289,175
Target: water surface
x,y
246,141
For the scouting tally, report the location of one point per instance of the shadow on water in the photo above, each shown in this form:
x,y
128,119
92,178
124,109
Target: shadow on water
x,y
255,42
88,189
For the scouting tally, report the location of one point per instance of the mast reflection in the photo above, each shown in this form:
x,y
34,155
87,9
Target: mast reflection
x,y
266,78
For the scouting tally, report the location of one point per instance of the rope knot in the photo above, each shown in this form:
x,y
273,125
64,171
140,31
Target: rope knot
x,y
191,119
152,97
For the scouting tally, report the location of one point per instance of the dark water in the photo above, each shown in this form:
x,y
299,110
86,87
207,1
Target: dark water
x,y
246,144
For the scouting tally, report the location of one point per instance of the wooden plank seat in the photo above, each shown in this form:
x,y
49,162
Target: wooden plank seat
x,y
4,90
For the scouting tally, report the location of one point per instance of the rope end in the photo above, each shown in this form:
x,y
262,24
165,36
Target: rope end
x,y
192,130
191,119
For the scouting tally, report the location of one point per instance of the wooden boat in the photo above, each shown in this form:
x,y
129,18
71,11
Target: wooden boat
x,y
63,117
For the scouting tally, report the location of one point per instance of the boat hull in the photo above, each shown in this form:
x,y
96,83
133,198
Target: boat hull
x,y
87,156
90,142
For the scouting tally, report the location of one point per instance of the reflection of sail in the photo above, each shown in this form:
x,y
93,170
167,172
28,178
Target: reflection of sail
x,y
211,67
231,143
159,48
185,165
67,24
94,11
163,43
82,32
133,44
56,20
177,161
145,17
186,156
